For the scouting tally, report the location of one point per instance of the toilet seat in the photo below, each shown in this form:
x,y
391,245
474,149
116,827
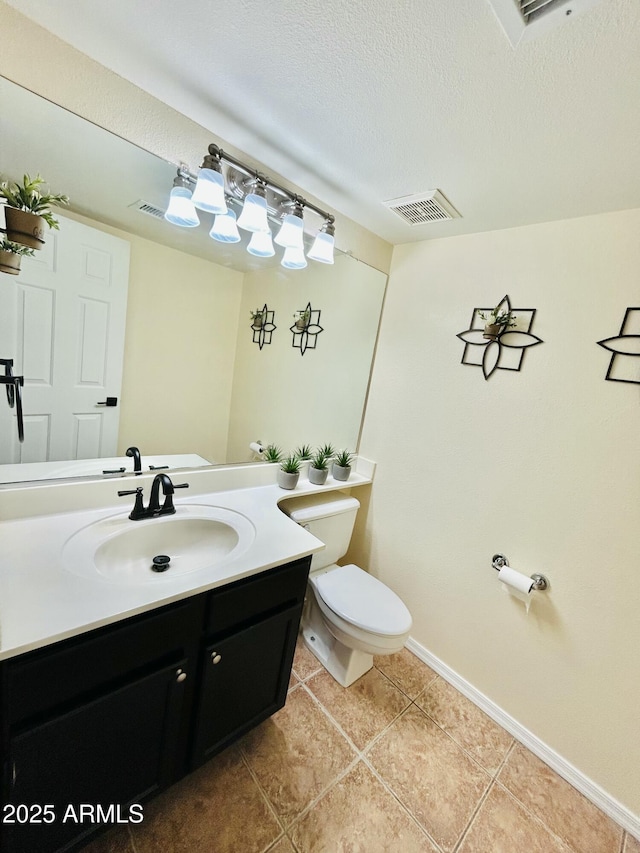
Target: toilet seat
x,y
363,601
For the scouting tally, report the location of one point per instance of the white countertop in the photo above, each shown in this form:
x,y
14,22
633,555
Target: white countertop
x,y
42,601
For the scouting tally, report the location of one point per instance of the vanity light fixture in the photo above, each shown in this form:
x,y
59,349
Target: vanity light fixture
x,y
209,192
293,259
290,235
215,188
261,244
254,210
322,249
181,210
224,228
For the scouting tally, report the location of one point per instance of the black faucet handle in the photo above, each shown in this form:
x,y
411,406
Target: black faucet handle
x,y
181,486
138,510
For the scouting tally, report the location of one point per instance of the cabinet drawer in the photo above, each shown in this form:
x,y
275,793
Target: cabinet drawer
x,y
42,680
251,598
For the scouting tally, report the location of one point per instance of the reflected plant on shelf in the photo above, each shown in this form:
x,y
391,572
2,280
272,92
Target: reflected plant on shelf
x,y
342,465
257,318
11,254
304,452
327,450
272,453
319,467
28,206
289,472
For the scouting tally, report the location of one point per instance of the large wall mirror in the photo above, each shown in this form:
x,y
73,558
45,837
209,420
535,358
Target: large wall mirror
x,y
175,347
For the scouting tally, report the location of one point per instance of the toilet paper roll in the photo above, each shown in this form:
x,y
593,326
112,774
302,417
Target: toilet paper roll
x,y
515,580
256,448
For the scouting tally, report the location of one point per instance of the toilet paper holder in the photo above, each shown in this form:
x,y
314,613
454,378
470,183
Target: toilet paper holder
x,y
539,581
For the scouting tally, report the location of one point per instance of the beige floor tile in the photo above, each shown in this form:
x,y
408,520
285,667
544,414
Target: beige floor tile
x,y
434,778
502,825
359,815
485,740
209,810
560,806
115,841
296,754
304,662
406,671
631,845
362,710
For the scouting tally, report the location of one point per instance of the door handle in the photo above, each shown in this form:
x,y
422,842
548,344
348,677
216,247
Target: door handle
x,y
110,401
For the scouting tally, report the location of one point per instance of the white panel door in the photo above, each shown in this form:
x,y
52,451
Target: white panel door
x,y
63,323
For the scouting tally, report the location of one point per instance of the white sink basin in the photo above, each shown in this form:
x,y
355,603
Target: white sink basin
x,y
197,538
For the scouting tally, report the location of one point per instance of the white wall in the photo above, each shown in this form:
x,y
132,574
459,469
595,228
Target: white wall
x,y
542,465
275,387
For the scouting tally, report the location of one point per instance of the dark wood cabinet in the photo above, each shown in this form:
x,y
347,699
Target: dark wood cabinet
x,y
110,718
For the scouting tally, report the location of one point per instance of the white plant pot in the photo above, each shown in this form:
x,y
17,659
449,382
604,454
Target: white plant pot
x,y
318,476
340,472
287,481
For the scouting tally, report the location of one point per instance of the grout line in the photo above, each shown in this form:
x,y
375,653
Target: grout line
x,y
263,794
367,762
131,841
623,842
474,814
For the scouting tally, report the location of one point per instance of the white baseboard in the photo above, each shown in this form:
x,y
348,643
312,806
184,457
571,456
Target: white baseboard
x,y
593,792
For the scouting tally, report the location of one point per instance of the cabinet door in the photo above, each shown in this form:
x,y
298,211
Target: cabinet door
x,y
114,751
244,679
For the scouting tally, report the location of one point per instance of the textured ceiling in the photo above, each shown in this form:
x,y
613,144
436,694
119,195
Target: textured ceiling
x,y
363,101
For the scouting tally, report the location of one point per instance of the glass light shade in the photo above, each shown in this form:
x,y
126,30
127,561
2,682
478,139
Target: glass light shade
x,y
322,249
209,192
293,259
254,214
181,210
261,245
290,234
224,228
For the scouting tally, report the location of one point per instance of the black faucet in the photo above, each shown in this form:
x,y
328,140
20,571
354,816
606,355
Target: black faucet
x,y
137,461
154,509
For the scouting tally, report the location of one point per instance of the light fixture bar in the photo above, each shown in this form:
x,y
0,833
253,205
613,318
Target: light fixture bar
x,y
217,152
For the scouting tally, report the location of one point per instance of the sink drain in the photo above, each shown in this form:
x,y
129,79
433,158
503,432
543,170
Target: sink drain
x,y
160,563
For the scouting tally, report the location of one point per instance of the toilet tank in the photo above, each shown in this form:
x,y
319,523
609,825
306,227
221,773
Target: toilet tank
x,y
330,517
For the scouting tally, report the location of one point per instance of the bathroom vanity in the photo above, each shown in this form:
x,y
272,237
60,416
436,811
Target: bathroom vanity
x,y
113,684
117,714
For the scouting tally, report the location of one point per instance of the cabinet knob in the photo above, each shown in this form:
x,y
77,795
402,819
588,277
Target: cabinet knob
x,y
215,657
181,675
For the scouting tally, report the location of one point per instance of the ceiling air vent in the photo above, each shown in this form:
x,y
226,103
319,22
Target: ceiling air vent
x,y
420,209
526,19
149,209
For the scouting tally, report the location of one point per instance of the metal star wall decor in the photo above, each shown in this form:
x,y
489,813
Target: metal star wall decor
x,y
624,365
306,329
263,326
498,348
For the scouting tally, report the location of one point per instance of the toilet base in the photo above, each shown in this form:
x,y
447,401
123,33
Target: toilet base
x,y
346,665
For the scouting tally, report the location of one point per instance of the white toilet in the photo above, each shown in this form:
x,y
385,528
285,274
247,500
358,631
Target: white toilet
x,y
349,616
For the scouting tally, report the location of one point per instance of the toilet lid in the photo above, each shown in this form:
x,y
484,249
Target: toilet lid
x,y
364,601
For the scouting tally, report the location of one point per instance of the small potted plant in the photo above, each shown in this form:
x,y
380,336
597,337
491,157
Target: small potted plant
x,y
289,472
10,256
319,468
257,318
496,322
301,318
328,450
27,210
272,453
342,465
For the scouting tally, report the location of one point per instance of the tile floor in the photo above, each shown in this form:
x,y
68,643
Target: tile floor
x,y
400,761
